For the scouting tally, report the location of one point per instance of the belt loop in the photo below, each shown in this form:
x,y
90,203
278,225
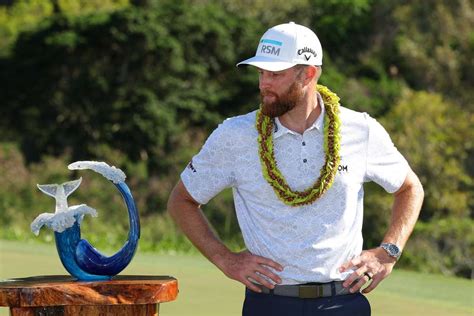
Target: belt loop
x,y
333,288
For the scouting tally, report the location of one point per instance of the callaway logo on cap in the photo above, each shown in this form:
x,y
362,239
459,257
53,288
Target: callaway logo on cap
x,y
286,45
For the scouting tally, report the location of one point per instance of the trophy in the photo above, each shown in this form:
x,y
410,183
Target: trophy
x,y
78,256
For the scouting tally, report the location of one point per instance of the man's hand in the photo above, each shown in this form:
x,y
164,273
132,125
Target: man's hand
x,y
245,267
375,264
372,265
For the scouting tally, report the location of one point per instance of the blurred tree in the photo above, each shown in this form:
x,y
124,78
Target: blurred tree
x,y
428,44
436,41
21,16
364,84
442,246
434,135
133,79
81,7
342,27
24,15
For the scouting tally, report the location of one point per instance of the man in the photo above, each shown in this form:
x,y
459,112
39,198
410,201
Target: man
x,y
297,168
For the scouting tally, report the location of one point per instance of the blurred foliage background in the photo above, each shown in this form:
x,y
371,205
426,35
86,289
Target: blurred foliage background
x,y
141,83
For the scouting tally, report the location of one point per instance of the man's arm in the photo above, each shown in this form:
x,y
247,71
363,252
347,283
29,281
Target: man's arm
x,y
242,266
376,262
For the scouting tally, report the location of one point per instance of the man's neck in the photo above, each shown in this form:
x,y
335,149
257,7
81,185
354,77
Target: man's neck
x,y
303,115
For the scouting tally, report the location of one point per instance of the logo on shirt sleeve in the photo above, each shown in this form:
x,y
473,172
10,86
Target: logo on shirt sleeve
x,y
191,166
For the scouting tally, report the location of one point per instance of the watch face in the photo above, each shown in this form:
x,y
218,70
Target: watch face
x,y
393,249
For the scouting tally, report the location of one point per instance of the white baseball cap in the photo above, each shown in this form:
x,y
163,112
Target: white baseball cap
x,y
286,45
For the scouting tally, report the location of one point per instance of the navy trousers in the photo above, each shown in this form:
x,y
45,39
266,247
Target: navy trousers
x,y
257,304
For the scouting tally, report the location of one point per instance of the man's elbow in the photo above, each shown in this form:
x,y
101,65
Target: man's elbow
x,y
179,201
417,187
171,206
412,186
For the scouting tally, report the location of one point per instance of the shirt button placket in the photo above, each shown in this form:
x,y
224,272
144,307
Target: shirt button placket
x,y
303,151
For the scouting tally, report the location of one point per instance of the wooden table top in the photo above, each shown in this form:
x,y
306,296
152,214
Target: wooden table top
x,y
56,290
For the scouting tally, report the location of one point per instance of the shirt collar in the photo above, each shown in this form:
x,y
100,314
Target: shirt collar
x,y
279,129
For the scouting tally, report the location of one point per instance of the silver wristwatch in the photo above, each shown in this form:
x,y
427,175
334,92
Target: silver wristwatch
x,y
392,250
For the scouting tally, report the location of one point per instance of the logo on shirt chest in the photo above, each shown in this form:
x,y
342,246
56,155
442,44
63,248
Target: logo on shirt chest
x,y
343,168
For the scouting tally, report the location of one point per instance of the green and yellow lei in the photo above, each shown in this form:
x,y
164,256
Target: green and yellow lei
x,y
273,175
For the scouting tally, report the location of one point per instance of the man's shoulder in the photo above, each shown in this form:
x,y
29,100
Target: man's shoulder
x,y
354,119
350,114
239,125
233,132
359,123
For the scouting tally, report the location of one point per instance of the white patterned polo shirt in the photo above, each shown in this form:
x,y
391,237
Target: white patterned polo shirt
x,y
311,242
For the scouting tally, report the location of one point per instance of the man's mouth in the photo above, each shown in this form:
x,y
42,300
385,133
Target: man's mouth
x,y
269,94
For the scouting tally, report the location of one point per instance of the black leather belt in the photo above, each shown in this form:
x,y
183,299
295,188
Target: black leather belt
x,y
308,290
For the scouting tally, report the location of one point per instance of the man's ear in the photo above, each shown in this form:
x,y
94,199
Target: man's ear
x,y
310,73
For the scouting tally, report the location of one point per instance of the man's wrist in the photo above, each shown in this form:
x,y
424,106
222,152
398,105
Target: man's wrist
x,y
219,258
392,250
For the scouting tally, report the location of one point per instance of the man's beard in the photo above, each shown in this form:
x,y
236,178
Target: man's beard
x,y
283,103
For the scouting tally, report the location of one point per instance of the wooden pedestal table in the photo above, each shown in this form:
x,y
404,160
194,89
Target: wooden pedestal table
x,y
124,295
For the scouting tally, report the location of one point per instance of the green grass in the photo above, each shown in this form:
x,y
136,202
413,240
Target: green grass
x,y
204,290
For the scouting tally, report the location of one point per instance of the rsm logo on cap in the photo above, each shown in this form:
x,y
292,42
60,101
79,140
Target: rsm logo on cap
x,y
269,48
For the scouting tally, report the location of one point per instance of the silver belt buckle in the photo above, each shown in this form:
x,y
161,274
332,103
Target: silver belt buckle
x,y
310,291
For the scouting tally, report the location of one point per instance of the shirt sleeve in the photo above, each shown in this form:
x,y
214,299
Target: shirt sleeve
x,y
385,164
211,170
